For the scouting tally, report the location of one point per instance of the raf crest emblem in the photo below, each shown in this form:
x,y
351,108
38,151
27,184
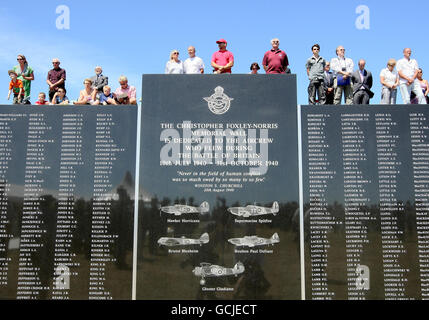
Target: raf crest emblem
x,y
219,103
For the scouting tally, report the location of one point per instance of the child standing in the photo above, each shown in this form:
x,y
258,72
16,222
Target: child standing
x,y
16,87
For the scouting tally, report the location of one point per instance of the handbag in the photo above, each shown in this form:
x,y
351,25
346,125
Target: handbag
x,y
341,81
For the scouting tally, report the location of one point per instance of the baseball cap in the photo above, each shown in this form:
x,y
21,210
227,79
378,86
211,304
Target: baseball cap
x,y
221,40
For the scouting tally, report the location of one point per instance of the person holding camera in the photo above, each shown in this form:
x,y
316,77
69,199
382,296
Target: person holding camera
x,y
343,69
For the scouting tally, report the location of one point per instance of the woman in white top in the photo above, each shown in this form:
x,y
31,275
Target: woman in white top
x,y
174,65
390,80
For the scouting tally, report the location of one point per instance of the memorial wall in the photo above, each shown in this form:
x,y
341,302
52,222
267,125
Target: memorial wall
x,y
217,212
221,217
366,193
67,194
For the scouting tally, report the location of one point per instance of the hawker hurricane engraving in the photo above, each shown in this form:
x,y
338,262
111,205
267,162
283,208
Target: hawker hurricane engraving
x,y
252,210
206,270
179,209
253,241
171,242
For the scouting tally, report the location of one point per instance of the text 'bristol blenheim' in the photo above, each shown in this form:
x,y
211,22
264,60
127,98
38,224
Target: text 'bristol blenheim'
x,y
230,144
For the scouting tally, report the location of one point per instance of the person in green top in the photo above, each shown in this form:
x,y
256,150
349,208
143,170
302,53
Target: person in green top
x,y
26,75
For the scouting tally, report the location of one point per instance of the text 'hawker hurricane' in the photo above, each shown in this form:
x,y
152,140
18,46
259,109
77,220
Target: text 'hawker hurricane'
x,y
179,209
206,270
252,210
253,241
171,242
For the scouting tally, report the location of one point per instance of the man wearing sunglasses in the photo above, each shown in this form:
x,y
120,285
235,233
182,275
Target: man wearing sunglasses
x,y
222,60
56,78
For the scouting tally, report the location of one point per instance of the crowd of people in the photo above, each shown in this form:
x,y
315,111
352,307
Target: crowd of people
x,y
96,90
329,81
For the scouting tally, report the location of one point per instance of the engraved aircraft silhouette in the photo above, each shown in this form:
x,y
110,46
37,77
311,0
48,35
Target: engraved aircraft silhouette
x,y
206,270
179,209
253,241
171,242
252,210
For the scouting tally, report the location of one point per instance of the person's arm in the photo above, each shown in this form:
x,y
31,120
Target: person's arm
x,y
54,98
370,80
8,95
427,88
384,83
265,62
30,77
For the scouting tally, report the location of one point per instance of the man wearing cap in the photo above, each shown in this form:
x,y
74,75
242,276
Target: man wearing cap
x,y
222,60
275,60
56,78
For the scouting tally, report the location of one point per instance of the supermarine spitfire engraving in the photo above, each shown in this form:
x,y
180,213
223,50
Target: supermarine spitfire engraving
x,y
219,103
179,209
252,210
253,241
206,270
171,242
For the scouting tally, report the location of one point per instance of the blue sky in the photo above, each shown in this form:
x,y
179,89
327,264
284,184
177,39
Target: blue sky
x,y
136,37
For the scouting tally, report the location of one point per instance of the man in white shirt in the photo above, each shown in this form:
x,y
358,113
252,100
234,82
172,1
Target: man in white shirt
x,y
408,69
193,64
342,68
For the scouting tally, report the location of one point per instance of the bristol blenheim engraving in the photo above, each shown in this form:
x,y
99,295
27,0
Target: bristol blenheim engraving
x,y
206,270
179,209
183,241
252,210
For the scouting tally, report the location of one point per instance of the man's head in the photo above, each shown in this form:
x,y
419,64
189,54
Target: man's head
x,y
98,70
222,44
106,90
56,63
191,51
327,66
123,82
340,51
12,75
275,43
315,49
361,64
407,53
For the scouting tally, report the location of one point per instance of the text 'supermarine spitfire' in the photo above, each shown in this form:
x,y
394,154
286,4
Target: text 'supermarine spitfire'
x,y
252,210
206,270
253,241
171,242
179,209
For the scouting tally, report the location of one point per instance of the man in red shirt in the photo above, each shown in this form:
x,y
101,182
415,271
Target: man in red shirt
x,y
275,60
222,60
